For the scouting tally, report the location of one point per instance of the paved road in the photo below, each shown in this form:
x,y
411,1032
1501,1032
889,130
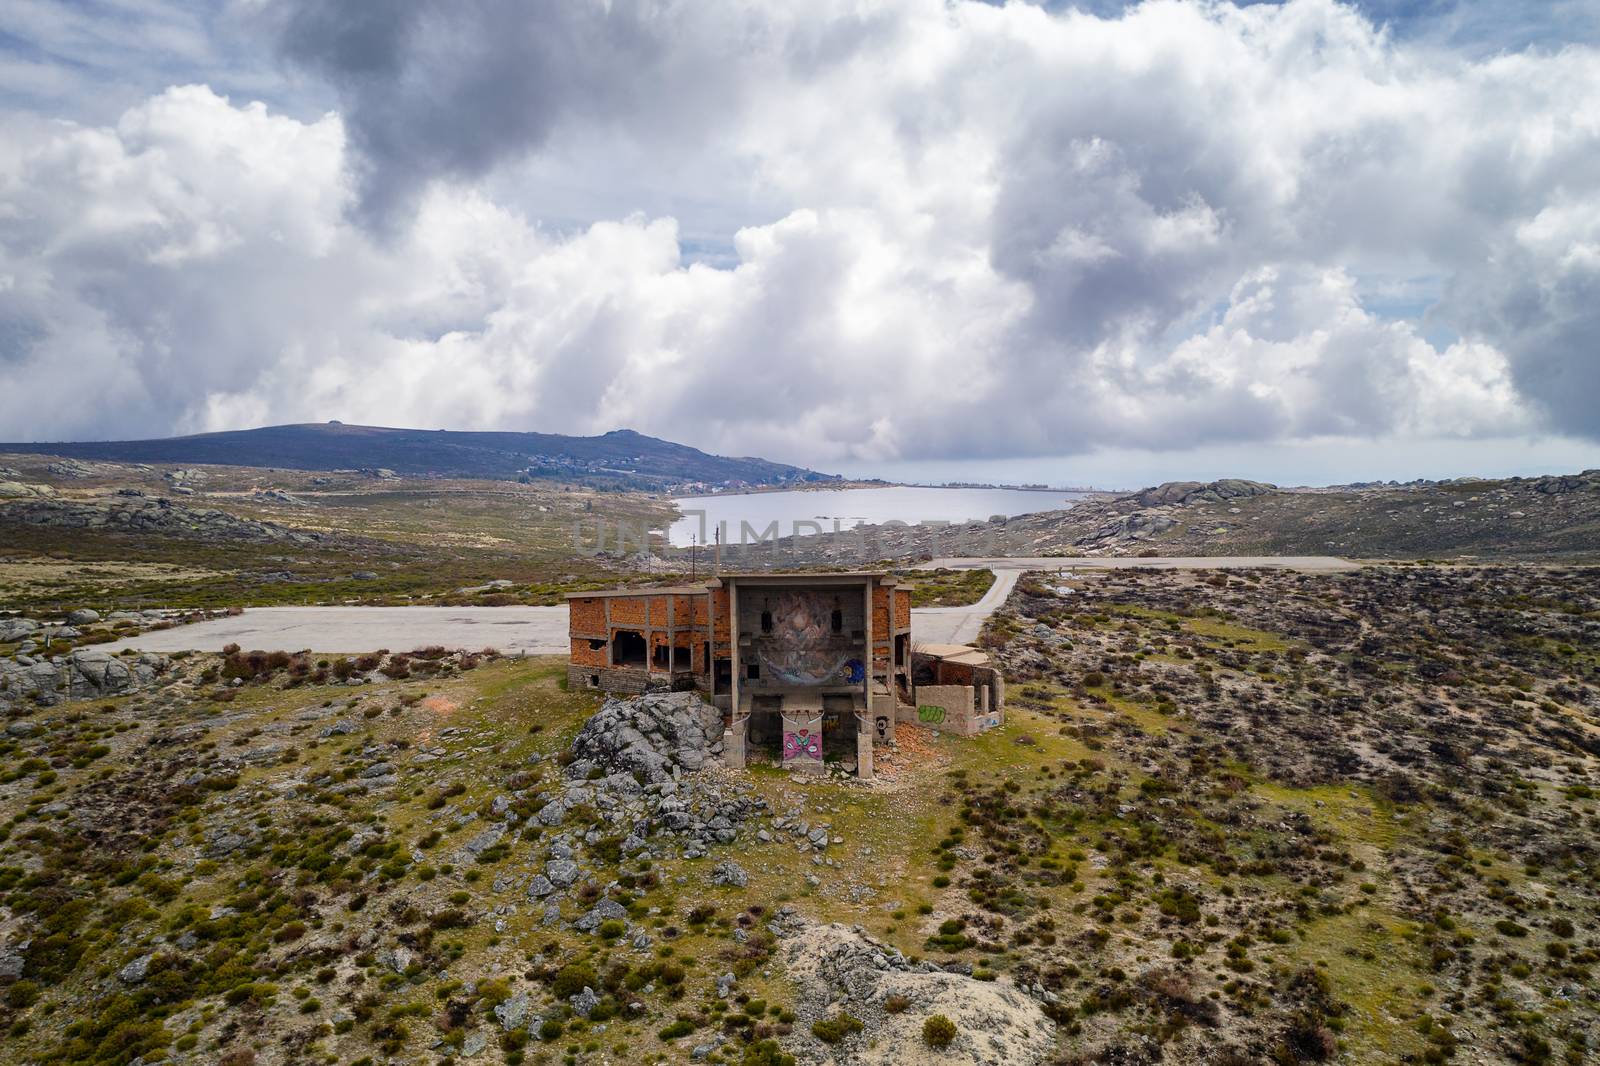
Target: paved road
x,y
543,630
349,630
1308,563
961,625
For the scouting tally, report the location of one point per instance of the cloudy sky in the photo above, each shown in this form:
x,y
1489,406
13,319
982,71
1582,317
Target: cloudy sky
x,y
1095,242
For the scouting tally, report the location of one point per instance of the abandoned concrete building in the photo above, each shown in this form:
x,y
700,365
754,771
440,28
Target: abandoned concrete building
x,y
804,667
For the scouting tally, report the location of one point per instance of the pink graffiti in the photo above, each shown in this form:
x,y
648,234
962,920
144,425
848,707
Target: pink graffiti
x,y
803,744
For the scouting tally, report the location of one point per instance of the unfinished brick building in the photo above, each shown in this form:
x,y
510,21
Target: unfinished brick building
x,y
800,664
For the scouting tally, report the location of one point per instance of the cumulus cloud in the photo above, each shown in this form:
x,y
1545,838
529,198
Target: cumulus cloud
x,y
970,231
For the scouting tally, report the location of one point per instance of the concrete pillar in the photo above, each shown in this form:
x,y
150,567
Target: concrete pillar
x,y
864,756
733,744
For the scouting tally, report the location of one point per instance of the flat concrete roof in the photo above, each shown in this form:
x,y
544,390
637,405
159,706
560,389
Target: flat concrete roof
x,y
848,577
954,653
760,577
662,590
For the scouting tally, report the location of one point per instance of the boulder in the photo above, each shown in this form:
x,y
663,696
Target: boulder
x,y
647,736
15,629
584,1002
1184,493
17,490
513,1013
731,873
835,967
561,872
136,971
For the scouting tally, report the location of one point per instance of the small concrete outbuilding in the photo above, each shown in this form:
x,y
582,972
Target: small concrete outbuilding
x,y
955,688
802,665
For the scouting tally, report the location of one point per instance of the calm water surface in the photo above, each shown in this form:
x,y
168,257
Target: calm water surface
x,y
852,507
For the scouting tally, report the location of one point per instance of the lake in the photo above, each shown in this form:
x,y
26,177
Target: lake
x,y
852,507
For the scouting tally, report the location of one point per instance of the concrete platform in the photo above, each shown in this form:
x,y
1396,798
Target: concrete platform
x,y
543,630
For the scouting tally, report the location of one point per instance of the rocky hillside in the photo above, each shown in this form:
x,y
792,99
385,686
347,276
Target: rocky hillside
x,y
1344,817
1547,517
1230,818
620,459
260,859
133,513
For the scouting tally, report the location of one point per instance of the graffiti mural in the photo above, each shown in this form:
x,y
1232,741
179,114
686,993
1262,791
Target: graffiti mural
x,y
802,744
801,647
931,714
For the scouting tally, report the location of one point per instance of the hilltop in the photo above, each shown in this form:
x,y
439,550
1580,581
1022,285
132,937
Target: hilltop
x,y
620,459
1552,517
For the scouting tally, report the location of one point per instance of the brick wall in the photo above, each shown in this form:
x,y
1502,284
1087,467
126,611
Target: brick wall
x,y
632,611
588,616
584,655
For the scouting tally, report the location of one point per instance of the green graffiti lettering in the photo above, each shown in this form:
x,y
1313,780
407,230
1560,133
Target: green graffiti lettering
x,y
931,714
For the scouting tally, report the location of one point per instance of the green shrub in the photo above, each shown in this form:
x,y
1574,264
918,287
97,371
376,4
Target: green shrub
x,y
765,1053
674,1030
572,979
832,1030
938,1031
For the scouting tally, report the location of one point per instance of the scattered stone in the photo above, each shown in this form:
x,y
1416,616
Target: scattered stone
x,y
729,873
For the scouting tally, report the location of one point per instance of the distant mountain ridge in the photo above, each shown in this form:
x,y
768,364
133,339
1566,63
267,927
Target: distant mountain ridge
x,y
621,459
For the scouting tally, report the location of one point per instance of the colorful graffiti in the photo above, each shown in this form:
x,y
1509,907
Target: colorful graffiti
x,y
802,744
931,714
801,647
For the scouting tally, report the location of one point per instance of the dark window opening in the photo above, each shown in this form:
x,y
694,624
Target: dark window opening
x,y
766,725
594,680
902,646
680,658
723,675
753,671
663,656
627,648
766,621
596,643
838,620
